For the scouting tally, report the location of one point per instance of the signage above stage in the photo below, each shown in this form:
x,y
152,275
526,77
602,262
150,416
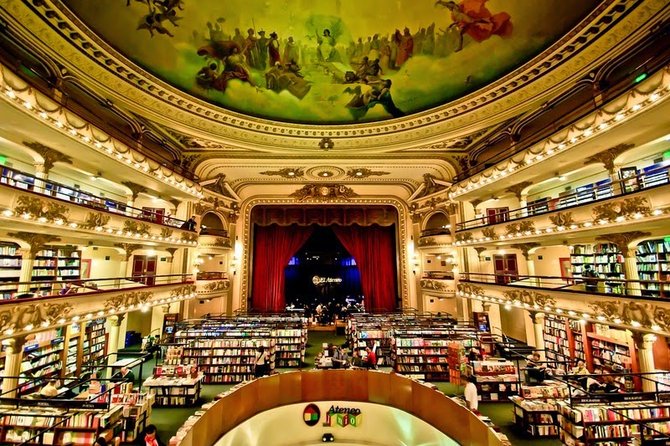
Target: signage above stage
x,y
318,280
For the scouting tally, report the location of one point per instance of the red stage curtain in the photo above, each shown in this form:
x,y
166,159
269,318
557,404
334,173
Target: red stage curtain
x,y
274,246
373,248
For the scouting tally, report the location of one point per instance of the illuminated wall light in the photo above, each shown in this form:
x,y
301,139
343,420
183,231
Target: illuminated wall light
x,y
619,117
72,132
635,324
42,219
86,138
617,320
635,107
657,212
603,126
588,224
654,97
656,327
561,146
26,216
508,306
59,124
10,93
28,327
559,310
588,132
97,145
109,230
601,318
73,225
571,313
550,151
27,105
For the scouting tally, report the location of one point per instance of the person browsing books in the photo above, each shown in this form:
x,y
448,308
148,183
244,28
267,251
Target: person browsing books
x,y
470,394
150,437
125,375
262,362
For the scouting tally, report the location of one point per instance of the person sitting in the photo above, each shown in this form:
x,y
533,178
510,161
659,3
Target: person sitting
x,y
150,437
94,386
356,360
370,359
535,371
580,369
125,375
67,289
339,358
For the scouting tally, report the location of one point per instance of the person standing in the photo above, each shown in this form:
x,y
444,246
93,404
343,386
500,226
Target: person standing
x,y
371,358
590,279
262,362
470,394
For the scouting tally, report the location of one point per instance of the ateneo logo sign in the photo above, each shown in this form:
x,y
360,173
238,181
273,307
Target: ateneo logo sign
x,y
311,415
342,416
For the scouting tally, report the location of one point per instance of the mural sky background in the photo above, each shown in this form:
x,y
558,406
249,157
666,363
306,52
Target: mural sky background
x,y
423,82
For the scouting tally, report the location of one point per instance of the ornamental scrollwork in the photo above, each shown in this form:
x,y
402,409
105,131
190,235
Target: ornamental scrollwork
x,y
95,220
324,192
468,288
136,227
623,208
529,297
39,208
183,291
629,312
520,227
20,316
562,219
435,285
121,302
219,285
189,236
222,242
427,241
166,232
464,237
489,233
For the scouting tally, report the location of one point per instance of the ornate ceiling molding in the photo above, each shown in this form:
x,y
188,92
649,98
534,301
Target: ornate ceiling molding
x,y
324,192
364,172
36,241
607,157
49,155
66,39
287,172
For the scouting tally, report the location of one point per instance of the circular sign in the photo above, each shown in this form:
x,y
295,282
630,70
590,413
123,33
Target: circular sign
x,y
311,415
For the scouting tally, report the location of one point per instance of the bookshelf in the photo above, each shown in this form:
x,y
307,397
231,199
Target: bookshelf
x,y
224,354
10,269
424,352
653,264
495,380
41,360
610,424
94,347
535,412
368,331
606,260
576,333
174,385
556,341
136,410
57,263
290,346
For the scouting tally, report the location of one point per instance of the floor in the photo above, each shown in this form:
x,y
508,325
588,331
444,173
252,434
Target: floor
x,y
168,420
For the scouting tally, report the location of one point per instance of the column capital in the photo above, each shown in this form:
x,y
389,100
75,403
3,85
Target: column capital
x,y
115,320
15,344
623,241
644,340
536,316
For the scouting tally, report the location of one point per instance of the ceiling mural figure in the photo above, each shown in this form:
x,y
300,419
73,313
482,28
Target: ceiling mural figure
x,y
325,62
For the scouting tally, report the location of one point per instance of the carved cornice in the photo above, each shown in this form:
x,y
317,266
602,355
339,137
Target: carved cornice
x,y
183,291
489,233
41,209
623,239
463,237
189,236
167,233
95,220
364,172
437,285
476,202
136,227
468,288
532,298
521,227
518,188
479,249
214,286
607,157
562,219
222,242
218,186
19,317
634,313
287,172
171,251
451,208
36,241
127,301
49,155
627,207
324,192
427,241
135,189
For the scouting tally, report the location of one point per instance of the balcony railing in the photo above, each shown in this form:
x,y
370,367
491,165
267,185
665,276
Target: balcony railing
x,y
25,181
214,232
642,181
64,288
592,285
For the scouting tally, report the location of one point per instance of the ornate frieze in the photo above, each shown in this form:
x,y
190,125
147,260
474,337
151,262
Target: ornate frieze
x,y
324,192
125,301
562,219
468,288
627,207
24,317
489,233
532,298
135,189
518,188
49,155
219,285
607,157
437,285
41,209
525,248
287,172
364,172
464,237
520,227
36,241
166,232
427,241
634,313
623,239
136,227
183,291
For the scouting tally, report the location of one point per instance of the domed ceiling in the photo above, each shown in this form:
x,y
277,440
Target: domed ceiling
x,y
330,61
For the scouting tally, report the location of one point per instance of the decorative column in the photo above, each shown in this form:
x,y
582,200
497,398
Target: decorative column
x,y
13,353
606,158
129,248
135,190
112,342
538,328
525,248
519,192
36,242
623,241
41,173
645,356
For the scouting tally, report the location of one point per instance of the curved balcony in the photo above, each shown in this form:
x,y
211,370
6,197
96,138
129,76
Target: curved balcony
x,y
646,207
640,305
353,386
439,284
42,207
56,303
212,284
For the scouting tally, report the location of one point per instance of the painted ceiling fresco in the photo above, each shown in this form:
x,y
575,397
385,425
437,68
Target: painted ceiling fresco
x,y
330,61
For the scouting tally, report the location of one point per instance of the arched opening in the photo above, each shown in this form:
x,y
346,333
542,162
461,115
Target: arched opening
x,y
437,224
211,224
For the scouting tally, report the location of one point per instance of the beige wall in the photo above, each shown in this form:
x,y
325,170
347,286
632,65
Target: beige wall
x,y
549,264
443,305
101,268
513,323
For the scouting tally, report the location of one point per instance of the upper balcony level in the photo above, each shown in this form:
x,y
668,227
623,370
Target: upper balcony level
x,y
642,199
42,205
